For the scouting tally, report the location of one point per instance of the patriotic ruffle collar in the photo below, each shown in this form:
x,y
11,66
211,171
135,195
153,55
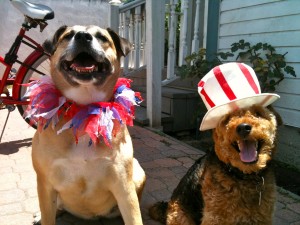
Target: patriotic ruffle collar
x,y
100,120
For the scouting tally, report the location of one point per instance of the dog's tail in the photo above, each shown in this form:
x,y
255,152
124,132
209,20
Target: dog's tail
x,y
159,211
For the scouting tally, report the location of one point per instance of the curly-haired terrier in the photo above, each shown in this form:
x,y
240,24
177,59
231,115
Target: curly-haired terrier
x,y
234,184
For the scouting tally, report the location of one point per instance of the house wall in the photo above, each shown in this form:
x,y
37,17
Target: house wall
x,y
276,23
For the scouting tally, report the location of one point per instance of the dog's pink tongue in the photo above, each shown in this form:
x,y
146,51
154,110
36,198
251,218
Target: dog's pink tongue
x,y
248,151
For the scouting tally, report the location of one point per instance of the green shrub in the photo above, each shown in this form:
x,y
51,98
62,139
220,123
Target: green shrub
x,y
269,66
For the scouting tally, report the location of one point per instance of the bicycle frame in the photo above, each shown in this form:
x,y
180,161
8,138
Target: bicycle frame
x,y
8,62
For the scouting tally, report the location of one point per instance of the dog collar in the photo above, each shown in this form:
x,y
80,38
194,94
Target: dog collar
x,y
100,120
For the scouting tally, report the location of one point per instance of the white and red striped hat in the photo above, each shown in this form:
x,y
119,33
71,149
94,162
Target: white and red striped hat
x,y
228,87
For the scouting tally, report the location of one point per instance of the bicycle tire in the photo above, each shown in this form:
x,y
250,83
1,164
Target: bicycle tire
x,y
40,63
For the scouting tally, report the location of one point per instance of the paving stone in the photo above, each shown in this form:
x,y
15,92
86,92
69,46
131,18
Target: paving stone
x,y
151,222
16,219
279,221
287,215
150,165
161,194
279,205
9,178
147,200
173,153
295,223
6,162
31,192
9,209
25,166
284,197
31,205
27,184
178,169
295,207
164,159
154,184
5,170
11,196
160,172
8,186
167,162
21,155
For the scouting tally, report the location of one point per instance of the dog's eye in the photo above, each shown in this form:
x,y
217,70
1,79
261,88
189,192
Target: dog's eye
x,y
69,35
101,37
225,119
260,114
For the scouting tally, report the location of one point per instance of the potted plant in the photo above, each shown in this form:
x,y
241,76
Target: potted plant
x,y
270,67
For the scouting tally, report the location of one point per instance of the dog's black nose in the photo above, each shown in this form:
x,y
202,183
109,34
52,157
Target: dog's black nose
x,y
83,36
243,129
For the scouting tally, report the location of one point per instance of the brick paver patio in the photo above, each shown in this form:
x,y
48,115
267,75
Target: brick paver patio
x,y
164,159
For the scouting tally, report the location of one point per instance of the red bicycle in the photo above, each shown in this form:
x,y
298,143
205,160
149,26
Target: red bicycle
x,y
35,65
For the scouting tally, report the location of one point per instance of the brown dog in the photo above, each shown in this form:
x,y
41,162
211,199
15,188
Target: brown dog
x,y
234,184
87,181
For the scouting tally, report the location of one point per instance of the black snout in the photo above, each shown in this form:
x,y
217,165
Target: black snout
x,y
243,129
83,37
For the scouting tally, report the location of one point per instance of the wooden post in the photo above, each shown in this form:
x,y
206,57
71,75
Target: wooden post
x,y
126,19
183,32
212,29
113,19
195,42
131,38
137,37
155,46
172,40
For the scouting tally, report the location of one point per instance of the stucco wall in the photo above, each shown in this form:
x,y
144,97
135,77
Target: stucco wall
x,y
67,12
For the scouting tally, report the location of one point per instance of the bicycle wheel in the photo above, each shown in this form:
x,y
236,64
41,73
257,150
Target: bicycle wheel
x,y
41,64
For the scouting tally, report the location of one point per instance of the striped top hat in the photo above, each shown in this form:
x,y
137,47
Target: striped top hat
x,y
228,87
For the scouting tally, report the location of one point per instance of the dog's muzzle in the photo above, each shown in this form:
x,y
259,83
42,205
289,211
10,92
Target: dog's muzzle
x,y
247,147
85,62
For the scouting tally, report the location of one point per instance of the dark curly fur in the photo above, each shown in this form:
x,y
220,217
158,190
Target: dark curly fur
x,y
225,186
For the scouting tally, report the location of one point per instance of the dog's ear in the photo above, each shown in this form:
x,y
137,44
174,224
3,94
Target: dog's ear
x,y
276,114
122,45
50,44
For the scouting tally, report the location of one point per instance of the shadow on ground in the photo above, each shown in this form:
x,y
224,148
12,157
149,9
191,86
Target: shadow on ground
x,y
11,147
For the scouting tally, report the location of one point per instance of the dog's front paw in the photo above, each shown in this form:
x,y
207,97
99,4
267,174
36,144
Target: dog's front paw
x,y
37,219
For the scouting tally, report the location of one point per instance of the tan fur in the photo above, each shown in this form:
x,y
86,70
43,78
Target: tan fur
x,y
86,181
176,215
224,189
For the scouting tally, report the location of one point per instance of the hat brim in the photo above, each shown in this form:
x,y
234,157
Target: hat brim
x,y
212,117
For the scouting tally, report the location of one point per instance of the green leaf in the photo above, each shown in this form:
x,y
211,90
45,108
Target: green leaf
x,y
272,82
281,64
290,70
258,46
234,48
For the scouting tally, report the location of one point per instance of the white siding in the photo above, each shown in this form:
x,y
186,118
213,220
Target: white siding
x,y
274,22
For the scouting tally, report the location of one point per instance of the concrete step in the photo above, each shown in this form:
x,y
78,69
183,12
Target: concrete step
x,y
179,108
141,117
169,95
179,103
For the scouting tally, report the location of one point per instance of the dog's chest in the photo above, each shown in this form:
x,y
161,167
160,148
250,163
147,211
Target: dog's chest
x,y
80,163
85,95
88,165
243,198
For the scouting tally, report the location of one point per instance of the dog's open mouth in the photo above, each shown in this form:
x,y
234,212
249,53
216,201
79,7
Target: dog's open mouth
x,y
85,67
248,149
